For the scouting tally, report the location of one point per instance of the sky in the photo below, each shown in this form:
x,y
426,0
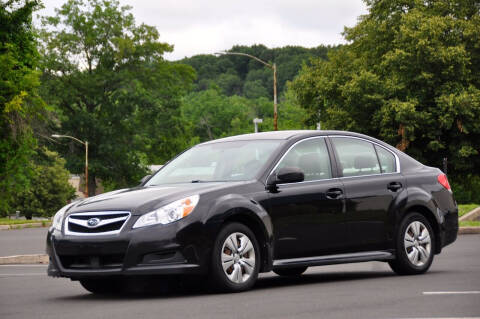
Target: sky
x,y
208,26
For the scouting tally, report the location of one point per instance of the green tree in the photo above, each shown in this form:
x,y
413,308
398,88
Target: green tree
x,y
107,79
409,75
210,114
20,104
50,189
254,89
231,84
238,75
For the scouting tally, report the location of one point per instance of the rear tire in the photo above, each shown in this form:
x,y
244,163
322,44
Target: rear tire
x,y
290,272
235,259
415,246
101,286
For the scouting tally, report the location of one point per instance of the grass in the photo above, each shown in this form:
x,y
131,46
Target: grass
x,y
466,208
7,221
469,223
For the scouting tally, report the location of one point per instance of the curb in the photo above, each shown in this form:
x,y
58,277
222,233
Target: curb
x,y
469,230
471,215
24,259
22,226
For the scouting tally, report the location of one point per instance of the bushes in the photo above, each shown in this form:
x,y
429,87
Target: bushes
x,y
49,188
466,189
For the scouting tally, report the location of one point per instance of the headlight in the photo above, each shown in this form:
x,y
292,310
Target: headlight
x,y
169,213
58,218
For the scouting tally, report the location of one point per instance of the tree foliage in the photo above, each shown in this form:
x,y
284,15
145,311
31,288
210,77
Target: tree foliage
x,y
239,75
409,75
51,189
107,79
20,104
210,114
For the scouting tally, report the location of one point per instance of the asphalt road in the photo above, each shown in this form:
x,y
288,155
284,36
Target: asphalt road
x,y
23,241
366,290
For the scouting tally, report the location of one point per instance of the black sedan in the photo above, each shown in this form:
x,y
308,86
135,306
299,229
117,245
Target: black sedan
x,y
282,201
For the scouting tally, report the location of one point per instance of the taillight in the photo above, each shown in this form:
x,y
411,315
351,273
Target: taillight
x,y
442,179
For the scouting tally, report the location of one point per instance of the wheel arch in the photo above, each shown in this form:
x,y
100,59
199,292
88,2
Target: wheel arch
x,y
236,208
245,217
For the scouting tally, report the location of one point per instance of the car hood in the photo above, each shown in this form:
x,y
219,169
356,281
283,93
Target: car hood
x,y
140,200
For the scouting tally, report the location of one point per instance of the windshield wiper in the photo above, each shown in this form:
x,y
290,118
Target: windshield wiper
x,y
202,181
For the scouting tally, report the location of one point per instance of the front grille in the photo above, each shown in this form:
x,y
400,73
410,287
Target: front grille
x,y
95,223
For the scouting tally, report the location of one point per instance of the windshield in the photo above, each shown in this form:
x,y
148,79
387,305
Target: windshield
x,y
224,161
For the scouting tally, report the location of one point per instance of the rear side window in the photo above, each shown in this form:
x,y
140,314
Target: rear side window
x,y
311,157
356,157
387,160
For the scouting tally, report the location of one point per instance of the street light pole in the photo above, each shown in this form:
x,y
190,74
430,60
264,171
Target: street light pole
x,y
86,156
86,168
271,66
275,113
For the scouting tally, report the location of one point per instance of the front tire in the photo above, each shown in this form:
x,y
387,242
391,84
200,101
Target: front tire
x,y
235,259
415,246
100,286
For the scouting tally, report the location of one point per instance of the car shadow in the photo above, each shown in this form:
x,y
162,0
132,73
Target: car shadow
x,y
264,282
319,278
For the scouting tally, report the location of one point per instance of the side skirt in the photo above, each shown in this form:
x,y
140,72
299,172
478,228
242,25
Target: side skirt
x,y
334,259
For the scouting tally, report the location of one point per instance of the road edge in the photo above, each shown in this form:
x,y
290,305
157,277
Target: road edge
x,y
24,259
469,230
22,226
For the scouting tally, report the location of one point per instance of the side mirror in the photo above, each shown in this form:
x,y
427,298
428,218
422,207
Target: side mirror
x,y
144,179
285,175
290,175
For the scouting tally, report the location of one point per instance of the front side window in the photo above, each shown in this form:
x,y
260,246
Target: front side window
x,y
356,157
223,161
311,157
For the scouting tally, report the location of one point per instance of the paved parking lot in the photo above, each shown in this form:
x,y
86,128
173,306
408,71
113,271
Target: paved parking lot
x,y
23,241
368,290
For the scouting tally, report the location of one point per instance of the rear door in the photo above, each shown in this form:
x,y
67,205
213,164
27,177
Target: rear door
x,y
308,216
372,181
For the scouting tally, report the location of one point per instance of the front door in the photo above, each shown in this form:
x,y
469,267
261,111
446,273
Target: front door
x,y
308,216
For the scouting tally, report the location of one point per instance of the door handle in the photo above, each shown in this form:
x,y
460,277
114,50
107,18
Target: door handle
x,y
394,186
334,193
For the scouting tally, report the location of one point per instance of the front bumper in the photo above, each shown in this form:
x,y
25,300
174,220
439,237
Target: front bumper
x,y
155,250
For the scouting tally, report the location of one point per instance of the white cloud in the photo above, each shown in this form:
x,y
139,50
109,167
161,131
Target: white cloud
x,y
201,26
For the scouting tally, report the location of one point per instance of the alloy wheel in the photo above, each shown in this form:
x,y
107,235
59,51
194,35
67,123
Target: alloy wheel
x,y
238,257
418,244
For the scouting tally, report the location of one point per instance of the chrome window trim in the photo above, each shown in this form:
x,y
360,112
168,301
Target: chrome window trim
x,y
113,232
397,160
290,148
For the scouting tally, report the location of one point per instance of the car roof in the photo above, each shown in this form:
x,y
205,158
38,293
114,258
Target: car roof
x,y
283,135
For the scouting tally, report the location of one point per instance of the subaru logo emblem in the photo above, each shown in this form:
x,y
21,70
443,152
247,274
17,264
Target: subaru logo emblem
x,y
92,222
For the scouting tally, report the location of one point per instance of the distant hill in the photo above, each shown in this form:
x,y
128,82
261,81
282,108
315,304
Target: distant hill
x,y
237,75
